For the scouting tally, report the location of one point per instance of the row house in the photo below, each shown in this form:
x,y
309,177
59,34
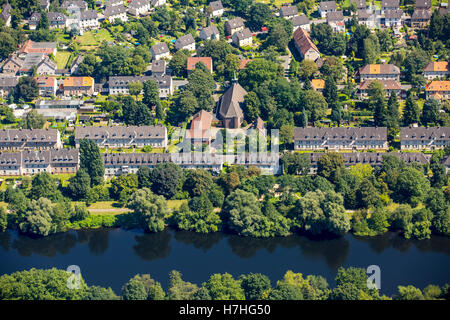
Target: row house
x,y
78,86
74,6
210,33
113,13
40,62
88,20
234,25
215,9
389,87
19,139
139,7
336,21
367,18
55,20
374,159
341,138
124,137
301,21
436,70
305,46
159,51
119,84
438,89
327,6
379,72
12,65
7,85
47,86
420,18
26,162
392,18
192,62
421,138
288,12
423,5
46,48
185,42
387,5
59,104
242,38
113,3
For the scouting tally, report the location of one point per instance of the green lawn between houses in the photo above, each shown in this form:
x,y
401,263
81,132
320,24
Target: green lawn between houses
x,y
61,59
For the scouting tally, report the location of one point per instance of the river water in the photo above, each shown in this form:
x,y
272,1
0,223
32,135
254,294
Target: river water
x,y
109,257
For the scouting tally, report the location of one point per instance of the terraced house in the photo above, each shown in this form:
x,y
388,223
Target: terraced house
x,y
421,138
20,139
436,69
341,138
126,137
119,85
7,84
438,89
32,162
379,72
78,86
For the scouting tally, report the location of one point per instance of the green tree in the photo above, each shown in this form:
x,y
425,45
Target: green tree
x,y
224,287
123,186
178,62
331,166
135,88
411,111
254,285
3,219
430,112
79,185
34,120
258,15
180,289
149,208
44,185
134,290
166,178
296,163
91,161
408,293
197,182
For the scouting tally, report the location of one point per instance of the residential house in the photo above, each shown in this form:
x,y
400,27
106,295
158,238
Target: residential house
x,y
88,20
229,109
210,33
113,13
74,68
7,84
46,48
159,68
77,86
318,84
326,7
360,4
119,84
367,18
420,18
389,86
39,61
304,45
288,12
243,38
47,86
186,42
74,6
113,3
192,62
379,72
438,89
301,21
139,7
393,18
215,9
336,21
45,4
436,70
234,25
59,104
389,5
5,15
423,5
421,138
200,130
340,138
123,137
12,65
19,139
159,51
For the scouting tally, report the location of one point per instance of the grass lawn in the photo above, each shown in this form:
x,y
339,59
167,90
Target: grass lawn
x,y
175,204
61,59
94,37
277,3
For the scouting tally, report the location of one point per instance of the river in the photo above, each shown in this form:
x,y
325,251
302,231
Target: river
x,y
110,257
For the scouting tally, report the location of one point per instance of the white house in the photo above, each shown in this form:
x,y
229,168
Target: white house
x,y
210,33
159,51
88,20
185,42
216,9
327,6
139,7
116,13
242,38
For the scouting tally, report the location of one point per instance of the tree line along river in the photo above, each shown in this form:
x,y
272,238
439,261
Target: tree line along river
x,y
110,257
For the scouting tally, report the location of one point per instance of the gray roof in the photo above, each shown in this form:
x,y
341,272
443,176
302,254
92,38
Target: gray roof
x,y
28,135
46,157
136,4
421,15
327,5
229,104
364,13
390,3
340,133
8,82
422,133
209,31
235,23
56,16
243,34
159,66
335,16
10,158
121,132
374,158
360,4
424,4
393,14
300,20
120,81
114,10
216,5
59,103
288,11
5,14
160,48
142,159
183,41
77,3
32,59
88,15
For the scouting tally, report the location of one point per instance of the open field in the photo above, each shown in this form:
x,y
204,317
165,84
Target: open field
x,y
94,37
61,59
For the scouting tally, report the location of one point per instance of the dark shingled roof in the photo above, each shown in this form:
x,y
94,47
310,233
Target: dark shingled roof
x,y
120,132
183,41
243,34
421,15
393,14
288,11
423,4
335,16
300,20
160,48
209,31
216,5
88,15
229,104
390,3
374,158
327,5
235,23
28,135
422,133
112,11
341,133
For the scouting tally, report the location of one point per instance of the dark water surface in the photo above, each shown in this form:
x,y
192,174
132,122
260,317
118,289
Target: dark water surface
x,y
110,257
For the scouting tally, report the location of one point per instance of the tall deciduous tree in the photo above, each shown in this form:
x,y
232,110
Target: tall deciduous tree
x,y
91,161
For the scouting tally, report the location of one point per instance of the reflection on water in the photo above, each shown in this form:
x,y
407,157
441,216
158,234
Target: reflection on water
x,y
152,246
49,246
